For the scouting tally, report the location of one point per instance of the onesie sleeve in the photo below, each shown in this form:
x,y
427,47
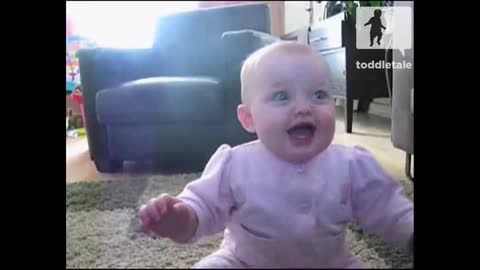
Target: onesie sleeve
x,y
378,201
210,196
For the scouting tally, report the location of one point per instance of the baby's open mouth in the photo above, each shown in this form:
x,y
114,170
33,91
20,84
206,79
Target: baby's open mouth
x,y
302,131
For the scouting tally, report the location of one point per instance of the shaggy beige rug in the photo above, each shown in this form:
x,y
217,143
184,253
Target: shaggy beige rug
x,y
102,220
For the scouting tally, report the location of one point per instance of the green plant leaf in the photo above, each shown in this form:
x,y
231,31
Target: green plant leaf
x,y
333,8
351,9
376,3
349,5
354,12
364,3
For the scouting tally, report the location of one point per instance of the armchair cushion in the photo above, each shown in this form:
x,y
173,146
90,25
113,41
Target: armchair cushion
x,y
162,100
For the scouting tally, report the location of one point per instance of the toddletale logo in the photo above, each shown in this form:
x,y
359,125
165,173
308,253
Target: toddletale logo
x,y
384,28
383,65
376,29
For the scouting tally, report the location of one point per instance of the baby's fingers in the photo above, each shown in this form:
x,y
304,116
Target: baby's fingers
x,y
154,209
160,206
144,219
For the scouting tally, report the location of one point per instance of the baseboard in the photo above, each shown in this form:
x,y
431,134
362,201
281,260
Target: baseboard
x,y
379,107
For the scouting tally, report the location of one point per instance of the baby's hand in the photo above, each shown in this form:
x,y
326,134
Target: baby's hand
x,y
167,216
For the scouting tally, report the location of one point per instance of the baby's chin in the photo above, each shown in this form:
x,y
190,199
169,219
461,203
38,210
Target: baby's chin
x,y
294,152
299,155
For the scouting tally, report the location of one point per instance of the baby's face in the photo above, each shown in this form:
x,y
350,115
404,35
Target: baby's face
x,y
291,108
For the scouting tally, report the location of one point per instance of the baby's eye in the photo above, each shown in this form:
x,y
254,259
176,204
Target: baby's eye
x,y
320,94
280,96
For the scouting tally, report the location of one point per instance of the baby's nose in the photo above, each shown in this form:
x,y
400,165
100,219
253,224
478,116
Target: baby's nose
x,y
303,108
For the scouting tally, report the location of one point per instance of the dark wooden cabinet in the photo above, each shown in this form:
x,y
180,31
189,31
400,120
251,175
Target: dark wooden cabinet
x,y
335,40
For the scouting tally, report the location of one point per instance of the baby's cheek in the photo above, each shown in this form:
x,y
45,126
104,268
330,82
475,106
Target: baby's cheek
x,y
271,122
326,117
264,125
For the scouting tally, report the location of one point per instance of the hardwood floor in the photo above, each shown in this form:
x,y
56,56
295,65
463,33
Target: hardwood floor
x,y
370,131
79,165
80,168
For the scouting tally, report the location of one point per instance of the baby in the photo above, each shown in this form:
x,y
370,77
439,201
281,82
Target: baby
x,y
285,199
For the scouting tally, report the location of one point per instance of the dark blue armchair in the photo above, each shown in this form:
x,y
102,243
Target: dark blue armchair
x,y
176,102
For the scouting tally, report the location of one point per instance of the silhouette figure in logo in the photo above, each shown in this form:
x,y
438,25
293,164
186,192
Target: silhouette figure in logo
x,y
376,28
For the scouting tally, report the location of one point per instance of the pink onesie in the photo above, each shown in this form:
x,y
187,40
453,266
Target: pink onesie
x,y
277,214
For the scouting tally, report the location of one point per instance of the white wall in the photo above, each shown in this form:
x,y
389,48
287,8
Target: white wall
x,y
121,24
296,15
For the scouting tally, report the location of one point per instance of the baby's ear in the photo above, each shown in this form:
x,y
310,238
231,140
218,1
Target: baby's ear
x,y
245,118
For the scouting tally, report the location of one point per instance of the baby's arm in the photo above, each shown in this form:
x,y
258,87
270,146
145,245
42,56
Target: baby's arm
x,y
201,209
378,202
210,197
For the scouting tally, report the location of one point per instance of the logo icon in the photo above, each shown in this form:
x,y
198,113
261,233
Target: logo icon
x,y
384,28
376,26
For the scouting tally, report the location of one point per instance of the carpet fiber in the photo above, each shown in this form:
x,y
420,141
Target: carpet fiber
x,y
101,222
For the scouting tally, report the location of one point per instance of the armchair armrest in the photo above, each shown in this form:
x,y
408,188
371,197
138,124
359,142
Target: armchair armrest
x,y
102,68
244,42
237,46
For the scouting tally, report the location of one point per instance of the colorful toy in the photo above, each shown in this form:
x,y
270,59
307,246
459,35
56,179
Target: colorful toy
x,y
74,43
76,132
78,97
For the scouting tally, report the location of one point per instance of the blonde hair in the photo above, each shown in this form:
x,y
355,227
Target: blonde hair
x,y
250,65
